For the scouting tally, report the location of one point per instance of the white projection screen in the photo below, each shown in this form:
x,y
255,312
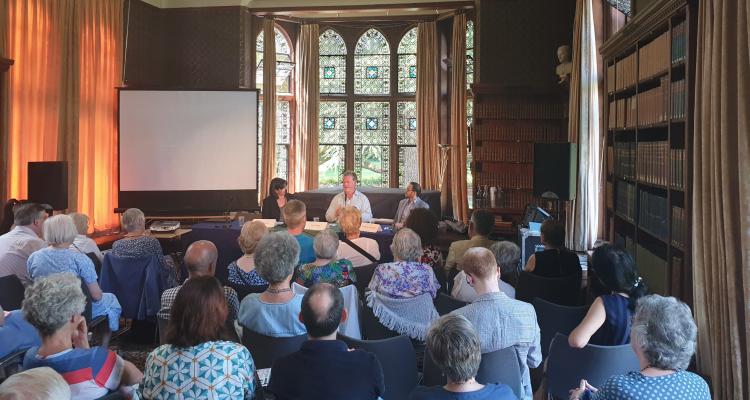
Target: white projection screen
x,y
190,151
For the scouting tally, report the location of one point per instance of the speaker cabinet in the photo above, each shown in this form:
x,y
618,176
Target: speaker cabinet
x,y
48,183
556,169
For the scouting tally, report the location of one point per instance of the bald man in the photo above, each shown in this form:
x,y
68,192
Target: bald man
x,y
316,370
200,260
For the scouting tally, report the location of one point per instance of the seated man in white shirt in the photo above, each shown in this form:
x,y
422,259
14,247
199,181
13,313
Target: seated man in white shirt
x,y
349,197
25,238
412,201
83,243
507,254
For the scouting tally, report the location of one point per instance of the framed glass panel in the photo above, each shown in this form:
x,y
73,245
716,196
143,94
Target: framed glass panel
x,y
284,63
469,53
371,143
332,138
330,164
332,63
407,62
407,165
406,124
372,64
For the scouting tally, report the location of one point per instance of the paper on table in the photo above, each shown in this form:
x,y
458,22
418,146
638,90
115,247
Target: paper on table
x,y
316,225
269,223
372,228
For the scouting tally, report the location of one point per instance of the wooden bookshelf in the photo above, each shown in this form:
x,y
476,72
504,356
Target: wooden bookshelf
x,y
648,113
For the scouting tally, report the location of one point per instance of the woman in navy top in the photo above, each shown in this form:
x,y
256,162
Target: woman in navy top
x,y
242,271
607,322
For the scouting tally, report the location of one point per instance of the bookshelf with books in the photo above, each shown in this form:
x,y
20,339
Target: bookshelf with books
x,y
649,72
507,122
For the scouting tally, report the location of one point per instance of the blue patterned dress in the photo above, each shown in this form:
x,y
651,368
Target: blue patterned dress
x,y
339,273
681,385
237,276
404,279
210,370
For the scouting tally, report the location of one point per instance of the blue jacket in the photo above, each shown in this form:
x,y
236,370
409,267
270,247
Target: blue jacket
x,y
137,283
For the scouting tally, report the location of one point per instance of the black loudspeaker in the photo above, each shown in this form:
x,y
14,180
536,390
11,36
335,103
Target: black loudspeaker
x,y
556,169
48,183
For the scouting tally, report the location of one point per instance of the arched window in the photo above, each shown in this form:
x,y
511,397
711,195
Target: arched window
x,y
284,100
332,63
372,64
407,62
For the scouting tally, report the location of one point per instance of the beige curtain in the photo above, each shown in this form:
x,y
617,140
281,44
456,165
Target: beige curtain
x,y
721,194
427,106
584,129
459,194
268,164
303,160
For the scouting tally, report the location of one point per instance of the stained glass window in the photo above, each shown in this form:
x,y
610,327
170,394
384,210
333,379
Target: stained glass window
x,y
284,64
406,138
371,150
332,62
283,122
372,64
407,62
469,53
332,139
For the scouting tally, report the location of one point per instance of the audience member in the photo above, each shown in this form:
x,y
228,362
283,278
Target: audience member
x,y
350,221
499,320
25,238
480,226
425,223
15,333
454,347
326,267
41,383
138,244
274,312
53,305
663,338
200,260
349,197
242,271
324,368
555,261
59,232
407,205
507,255
607,322
401,292
295,217
82,242
6,224
195,362
276,199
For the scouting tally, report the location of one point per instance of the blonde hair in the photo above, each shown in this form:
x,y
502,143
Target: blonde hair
x,y
59,229
252,232
133,219
350,220
479,261
295,213
81,222
41,383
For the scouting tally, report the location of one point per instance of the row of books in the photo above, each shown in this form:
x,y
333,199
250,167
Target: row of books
x,y
626,242
623,74
677,168
676,273
653,104
653,214
679,226
624,159
654,57
651,163
679,42
622,113
508,199
508,152
625,200
505,175
520,111
653,270
518,132
678,99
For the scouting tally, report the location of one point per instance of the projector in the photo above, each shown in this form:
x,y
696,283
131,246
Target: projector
x,y
165,226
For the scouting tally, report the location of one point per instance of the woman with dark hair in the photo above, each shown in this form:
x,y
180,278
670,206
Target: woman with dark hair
x,y
555,260
277,198
195,362
425,223
607,322
7,222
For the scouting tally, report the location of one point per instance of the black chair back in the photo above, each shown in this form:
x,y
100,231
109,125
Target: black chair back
x,y
398,360
444,304
565,290
501,366
566,366
364,276
266,349
97,263
11,293
372,329
162,327
554,318
11,363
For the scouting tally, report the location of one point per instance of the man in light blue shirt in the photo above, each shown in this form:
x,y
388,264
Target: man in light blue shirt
x,y
412,201
349,197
